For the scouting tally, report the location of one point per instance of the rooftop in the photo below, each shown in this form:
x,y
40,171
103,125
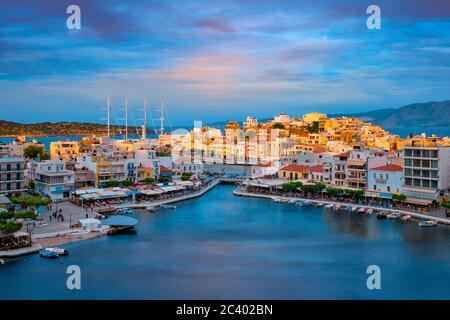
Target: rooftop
x,y
389,167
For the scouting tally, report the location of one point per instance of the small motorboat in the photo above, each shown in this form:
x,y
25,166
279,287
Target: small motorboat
x,y
428,223
48,254
59,251
337,207
124,211
392,216
151,209
276,200
354,209
406,218
361,210
320,204
284,200
2,262
369,211
329,206
292,201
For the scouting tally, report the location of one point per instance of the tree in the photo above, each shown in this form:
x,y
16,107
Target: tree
x,y
186,176
291,186
149,180
33,152
278,126
10,226
163,179
31,201
334,191
399,197
446,204
31,185
354,193
314,128
112,183
127,183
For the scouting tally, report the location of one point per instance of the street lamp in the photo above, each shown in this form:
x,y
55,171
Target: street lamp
x,y
70,221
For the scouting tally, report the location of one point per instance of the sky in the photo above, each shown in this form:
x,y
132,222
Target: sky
x,y
219,60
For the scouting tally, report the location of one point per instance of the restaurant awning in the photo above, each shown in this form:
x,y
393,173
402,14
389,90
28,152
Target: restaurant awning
x,y
119,221
424,202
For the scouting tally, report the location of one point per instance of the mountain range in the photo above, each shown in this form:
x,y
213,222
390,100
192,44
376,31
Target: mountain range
x,y
428,114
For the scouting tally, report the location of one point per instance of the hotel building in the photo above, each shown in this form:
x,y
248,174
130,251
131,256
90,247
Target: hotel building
x,y
427,169
12,178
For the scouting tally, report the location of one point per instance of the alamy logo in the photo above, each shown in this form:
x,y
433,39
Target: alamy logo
x,y
73,22
74,280
374,20
374,280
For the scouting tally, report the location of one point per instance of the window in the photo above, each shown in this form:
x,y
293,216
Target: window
x,y
389,188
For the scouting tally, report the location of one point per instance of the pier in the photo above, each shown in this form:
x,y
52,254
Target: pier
x,y
167,202
420,216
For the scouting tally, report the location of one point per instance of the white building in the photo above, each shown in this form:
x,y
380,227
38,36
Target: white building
x,y
385,180
52,178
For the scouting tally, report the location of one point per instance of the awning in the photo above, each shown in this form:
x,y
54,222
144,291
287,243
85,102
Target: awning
x,y
424,202
119,221
151,192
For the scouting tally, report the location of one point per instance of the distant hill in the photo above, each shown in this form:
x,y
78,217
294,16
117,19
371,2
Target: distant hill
x,y
46,129
428,114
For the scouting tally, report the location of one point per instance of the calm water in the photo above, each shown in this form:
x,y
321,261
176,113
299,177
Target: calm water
x,y
226,247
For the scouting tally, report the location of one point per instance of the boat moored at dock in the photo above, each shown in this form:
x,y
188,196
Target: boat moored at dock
x,y
428,223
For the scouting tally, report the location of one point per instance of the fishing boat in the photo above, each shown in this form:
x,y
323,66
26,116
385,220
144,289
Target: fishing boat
x,y
48,254
151,209
58,251
406,218
428,223
381,215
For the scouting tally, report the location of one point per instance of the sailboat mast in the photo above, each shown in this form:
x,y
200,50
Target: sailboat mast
x,y
108,115
126,118
161,119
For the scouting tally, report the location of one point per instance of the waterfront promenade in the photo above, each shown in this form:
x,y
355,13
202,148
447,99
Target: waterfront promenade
x,y
240,192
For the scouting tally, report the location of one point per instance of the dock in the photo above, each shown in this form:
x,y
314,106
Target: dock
x,y
416,215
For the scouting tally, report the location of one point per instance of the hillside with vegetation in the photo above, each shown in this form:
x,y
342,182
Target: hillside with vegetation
x,y
48,129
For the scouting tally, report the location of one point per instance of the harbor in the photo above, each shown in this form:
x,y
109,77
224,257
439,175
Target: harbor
x,y
249,249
